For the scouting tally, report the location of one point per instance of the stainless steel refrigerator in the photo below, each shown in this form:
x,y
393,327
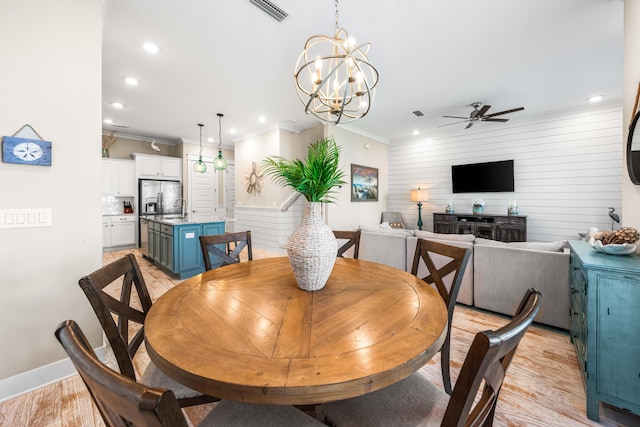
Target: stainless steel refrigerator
x,y
156,198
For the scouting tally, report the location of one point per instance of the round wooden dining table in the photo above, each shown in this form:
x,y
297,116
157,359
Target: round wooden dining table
x,y
246,332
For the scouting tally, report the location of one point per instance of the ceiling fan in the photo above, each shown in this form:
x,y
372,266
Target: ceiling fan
x,y
479,115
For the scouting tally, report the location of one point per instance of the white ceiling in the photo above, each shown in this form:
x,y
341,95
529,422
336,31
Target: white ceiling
x,y
437,56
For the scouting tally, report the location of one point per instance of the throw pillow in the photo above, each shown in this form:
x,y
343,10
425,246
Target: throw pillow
x,y
440,236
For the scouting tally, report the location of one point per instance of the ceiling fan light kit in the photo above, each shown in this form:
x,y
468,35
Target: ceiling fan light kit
x,y
334,78
479,115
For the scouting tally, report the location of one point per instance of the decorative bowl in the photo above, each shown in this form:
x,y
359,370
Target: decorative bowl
x,y
613,248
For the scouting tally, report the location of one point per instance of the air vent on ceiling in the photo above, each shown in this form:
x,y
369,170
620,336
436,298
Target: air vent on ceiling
x,y
119,126
418,113
270,9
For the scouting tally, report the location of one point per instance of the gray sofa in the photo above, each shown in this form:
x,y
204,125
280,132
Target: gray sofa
x,y
497,275
504,271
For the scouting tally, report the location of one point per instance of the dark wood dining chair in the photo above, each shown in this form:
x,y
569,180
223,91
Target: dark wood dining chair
x,y
415,401
123,401
220,247
131,309
453,261
352,240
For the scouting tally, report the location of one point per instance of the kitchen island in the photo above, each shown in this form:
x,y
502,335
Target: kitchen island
x,y
174,244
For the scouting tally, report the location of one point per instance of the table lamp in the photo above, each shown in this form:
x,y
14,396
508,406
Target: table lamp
x,y
419,196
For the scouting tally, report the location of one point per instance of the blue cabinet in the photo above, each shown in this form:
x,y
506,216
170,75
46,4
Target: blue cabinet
x,y
177,247
605,325
189,256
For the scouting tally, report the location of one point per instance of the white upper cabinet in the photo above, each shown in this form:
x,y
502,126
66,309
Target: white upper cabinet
x,y
118,177
149,166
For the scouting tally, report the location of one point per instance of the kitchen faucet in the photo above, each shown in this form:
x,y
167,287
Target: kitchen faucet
x,y
182,203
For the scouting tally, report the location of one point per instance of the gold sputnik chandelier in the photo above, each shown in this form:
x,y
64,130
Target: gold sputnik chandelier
x,y
334,78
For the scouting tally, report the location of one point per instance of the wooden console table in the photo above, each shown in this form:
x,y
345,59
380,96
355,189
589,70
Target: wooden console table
x,y
506,228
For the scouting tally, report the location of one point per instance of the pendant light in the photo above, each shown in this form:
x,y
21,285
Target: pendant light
x,y
334,78
200,166
220,163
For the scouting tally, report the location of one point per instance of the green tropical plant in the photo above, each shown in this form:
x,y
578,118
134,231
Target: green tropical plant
x,y
316,178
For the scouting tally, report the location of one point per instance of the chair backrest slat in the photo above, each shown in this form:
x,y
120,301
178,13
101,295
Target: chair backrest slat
x,y
119,399
352,240
219,246
124,272
487,361
457,264
453,261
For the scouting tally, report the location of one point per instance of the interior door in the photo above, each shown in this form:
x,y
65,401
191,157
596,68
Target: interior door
x,y
230,194
203,193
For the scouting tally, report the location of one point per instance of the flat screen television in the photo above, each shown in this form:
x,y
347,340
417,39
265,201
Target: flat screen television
x,y
483,177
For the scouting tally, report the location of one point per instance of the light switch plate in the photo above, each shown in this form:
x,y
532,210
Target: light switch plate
x,y
25,218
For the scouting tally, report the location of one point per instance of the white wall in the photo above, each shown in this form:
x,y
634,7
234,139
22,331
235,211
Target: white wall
x,y
567,171
51,79
360,150
630,192
261,214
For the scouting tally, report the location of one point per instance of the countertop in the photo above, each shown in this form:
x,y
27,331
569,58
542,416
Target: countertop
x,y
176,220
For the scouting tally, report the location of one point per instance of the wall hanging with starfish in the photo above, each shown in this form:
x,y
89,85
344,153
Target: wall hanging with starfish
x,y
254,179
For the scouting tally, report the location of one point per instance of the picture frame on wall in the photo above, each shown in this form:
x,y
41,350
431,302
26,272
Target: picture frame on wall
x,y
364,183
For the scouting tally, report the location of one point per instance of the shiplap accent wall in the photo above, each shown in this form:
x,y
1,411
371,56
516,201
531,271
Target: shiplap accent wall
x,y
568,171
270,227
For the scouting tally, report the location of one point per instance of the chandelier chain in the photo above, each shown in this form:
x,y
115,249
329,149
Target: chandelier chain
x,y
220,131
337,26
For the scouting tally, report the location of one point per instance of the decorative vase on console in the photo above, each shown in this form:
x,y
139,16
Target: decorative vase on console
x,y
477,205
449,208
312,247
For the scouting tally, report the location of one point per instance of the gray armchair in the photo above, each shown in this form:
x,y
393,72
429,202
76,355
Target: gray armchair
x,y
393,218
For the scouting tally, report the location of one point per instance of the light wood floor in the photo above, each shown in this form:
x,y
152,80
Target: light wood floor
x,y
543,386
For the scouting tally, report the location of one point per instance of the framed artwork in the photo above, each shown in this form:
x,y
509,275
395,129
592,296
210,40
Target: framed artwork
x,y
364,184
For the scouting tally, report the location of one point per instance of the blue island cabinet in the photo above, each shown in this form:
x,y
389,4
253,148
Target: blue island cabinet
x,y
605,326
176,246
186,247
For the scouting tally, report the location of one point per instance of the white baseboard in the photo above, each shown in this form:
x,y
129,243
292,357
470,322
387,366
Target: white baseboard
x,y
39,377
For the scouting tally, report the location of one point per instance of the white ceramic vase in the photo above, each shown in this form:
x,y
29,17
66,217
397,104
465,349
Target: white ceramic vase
x,y
312,250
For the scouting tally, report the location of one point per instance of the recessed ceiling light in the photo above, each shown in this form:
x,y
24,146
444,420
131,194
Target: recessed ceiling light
x,y
232,130
210,139
262,119
150,47
415,132
108,121
117,105
596,98
131,81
